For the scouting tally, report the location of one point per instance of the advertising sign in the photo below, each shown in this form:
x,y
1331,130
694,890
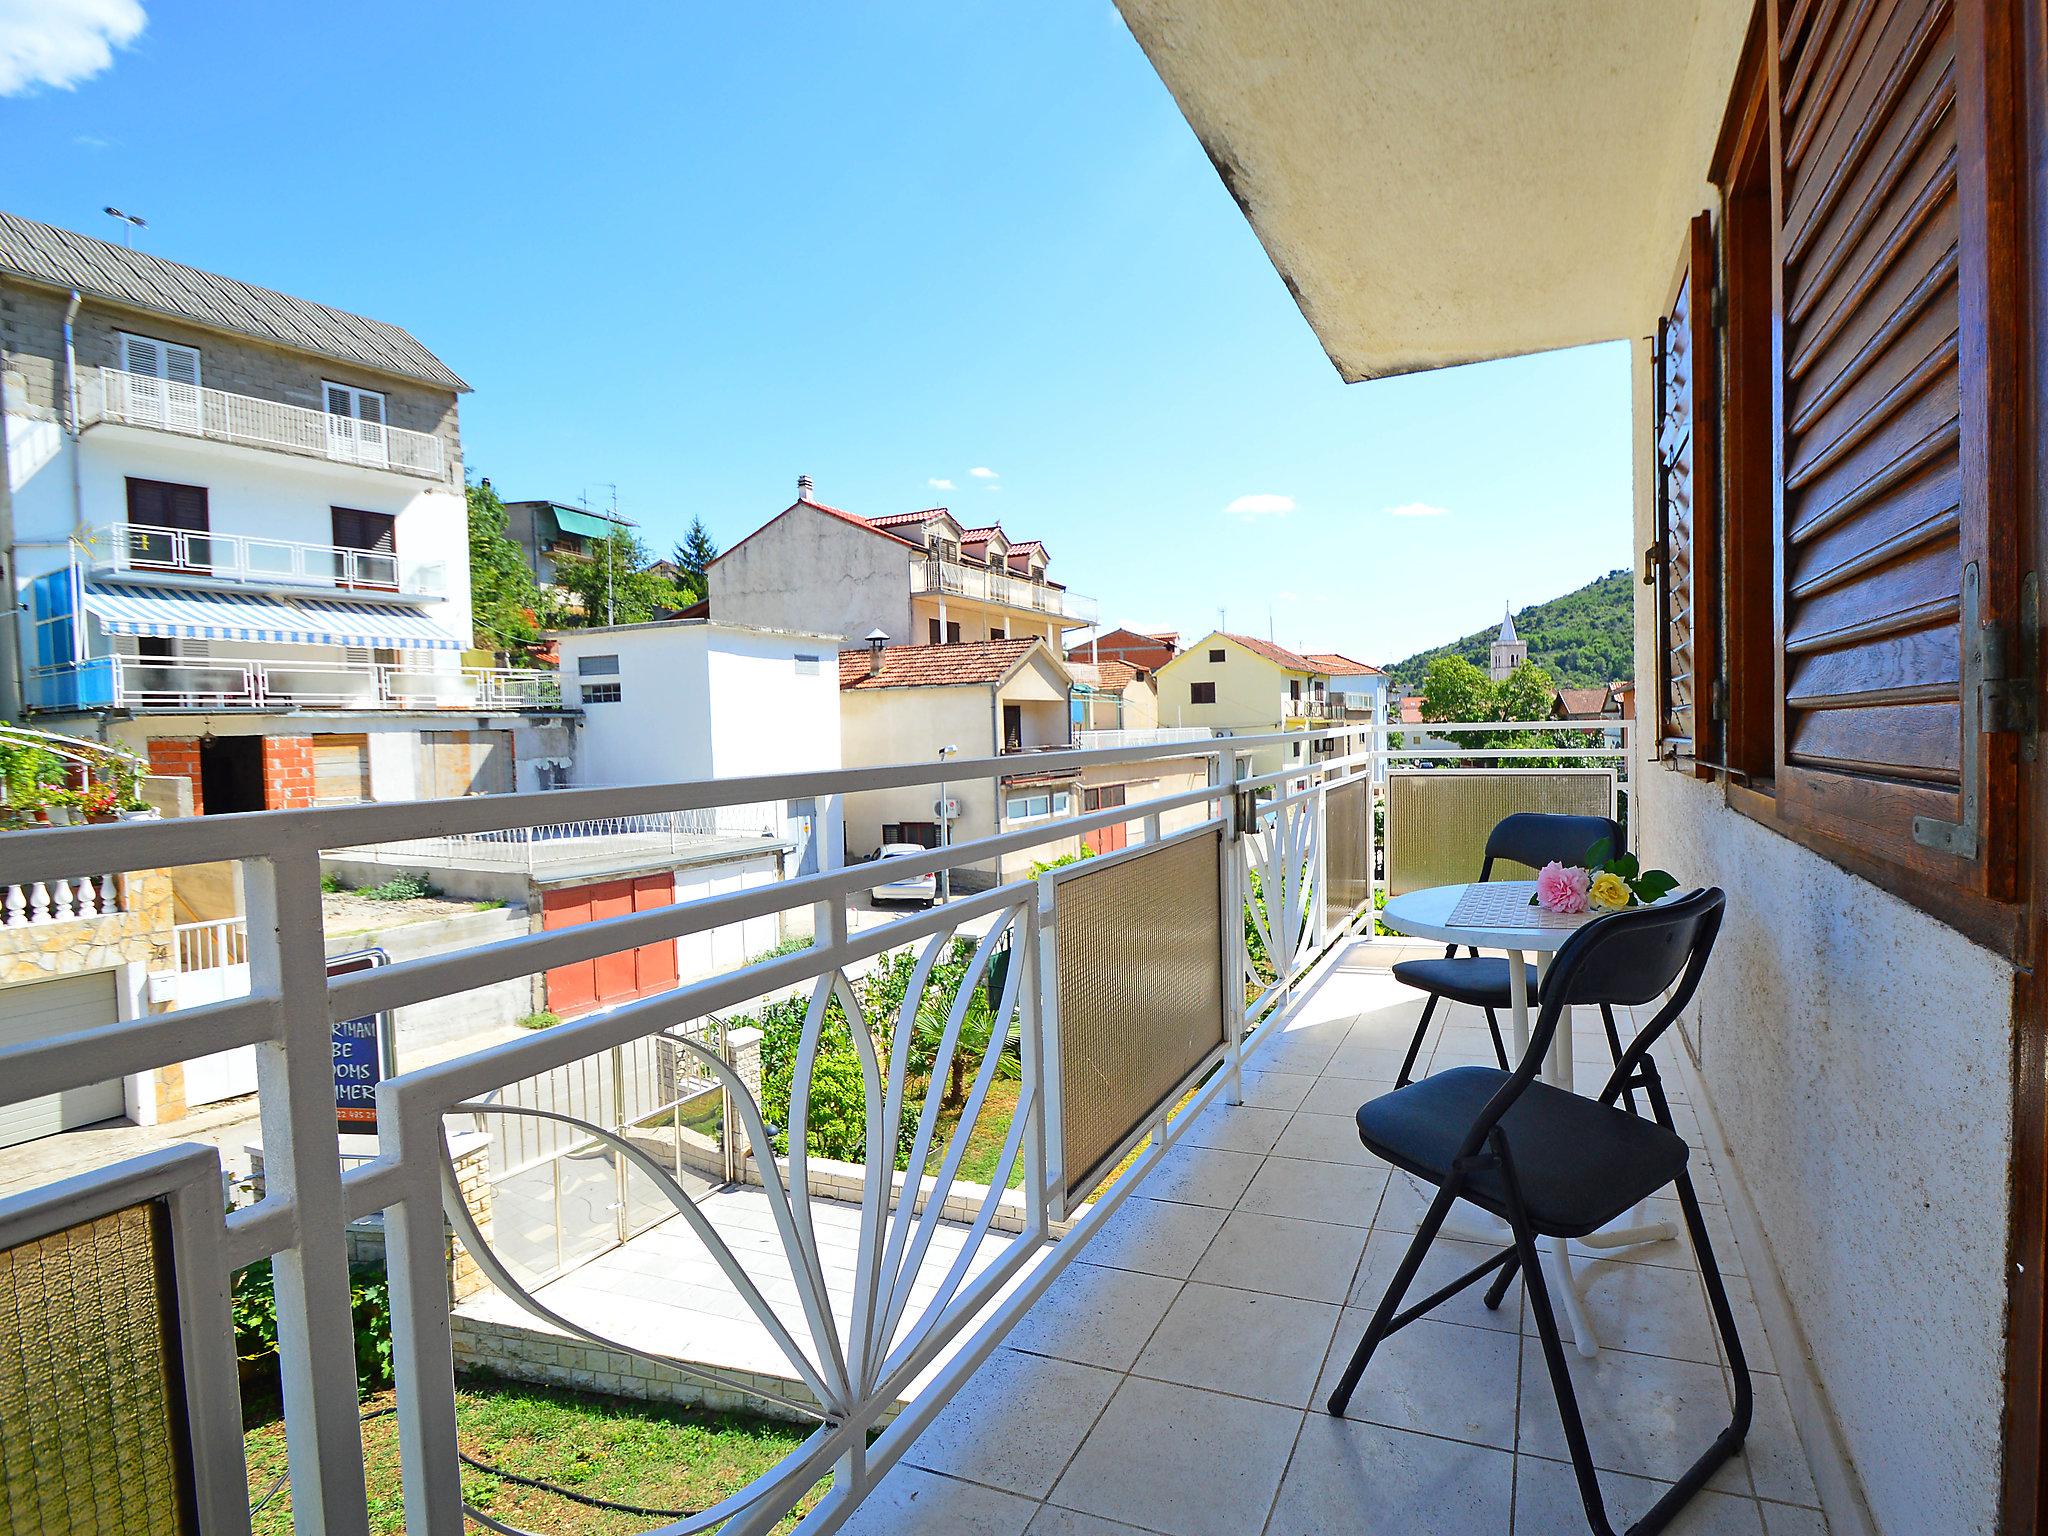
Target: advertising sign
x,y
362,1052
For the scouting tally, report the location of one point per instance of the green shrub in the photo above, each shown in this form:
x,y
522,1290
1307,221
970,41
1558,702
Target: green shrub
x,y
541,1020
837,1125
332,885
254,1310
489,904
1040,866
794,944
400,888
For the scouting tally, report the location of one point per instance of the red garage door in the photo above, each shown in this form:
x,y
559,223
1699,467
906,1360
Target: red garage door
x,y
612,978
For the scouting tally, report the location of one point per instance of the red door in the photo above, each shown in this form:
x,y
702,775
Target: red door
x,y
1108,839
623,974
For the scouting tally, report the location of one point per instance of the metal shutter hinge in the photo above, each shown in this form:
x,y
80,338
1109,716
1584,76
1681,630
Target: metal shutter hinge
x,y
1998,687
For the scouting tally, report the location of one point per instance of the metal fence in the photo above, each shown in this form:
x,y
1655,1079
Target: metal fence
x,y
908,1322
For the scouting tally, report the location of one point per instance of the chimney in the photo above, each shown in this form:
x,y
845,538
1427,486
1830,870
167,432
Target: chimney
x,y
877,638
803,488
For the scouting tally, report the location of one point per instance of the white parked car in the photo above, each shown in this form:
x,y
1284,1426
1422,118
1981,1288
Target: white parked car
x,y
922,889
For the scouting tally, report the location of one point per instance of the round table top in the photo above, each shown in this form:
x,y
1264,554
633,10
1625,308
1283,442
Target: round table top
x,y
1425,914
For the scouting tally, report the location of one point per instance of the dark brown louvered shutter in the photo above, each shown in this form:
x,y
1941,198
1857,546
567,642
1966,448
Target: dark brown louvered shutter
x,y
1886,533
1688,594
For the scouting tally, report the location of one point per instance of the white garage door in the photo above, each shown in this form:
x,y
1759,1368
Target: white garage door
x,y
727,948
45,1008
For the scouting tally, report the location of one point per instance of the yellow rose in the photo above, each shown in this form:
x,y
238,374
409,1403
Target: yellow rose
x,y
1609,893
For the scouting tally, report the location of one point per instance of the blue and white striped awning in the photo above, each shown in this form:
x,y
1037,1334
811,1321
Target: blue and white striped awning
x,y
193,615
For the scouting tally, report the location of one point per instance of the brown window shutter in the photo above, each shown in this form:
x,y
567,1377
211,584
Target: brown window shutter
x,y
1889,515
1688,591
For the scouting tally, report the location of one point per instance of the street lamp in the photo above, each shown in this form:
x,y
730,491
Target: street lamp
x,y
945,821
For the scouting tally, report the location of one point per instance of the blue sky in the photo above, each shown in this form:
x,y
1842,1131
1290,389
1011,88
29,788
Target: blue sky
x,y
698,250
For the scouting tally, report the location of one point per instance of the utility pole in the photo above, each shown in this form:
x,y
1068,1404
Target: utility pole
x,y
945,826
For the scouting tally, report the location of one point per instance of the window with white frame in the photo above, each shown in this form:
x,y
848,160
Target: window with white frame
x,y
597,666
160,383
1036,804
600,693
356,404
807,666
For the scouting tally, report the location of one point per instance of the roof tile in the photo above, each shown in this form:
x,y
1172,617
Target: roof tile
x,y
935,666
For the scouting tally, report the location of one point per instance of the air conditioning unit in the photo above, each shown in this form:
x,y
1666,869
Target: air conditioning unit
x,y
947,809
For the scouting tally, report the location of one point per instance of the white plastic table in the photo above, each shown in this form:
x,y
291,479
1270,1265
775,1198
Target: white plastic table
x,y
1426,914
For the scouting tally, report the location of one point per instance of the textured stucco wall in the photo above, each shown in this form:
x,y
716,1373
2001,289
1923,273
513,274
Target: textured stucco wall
x,y
810,571
1858,1055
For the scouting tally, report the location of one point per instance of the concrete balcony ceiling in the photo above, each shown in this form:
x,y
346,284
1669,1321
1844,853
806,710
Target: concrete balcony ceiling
x,y
1439,184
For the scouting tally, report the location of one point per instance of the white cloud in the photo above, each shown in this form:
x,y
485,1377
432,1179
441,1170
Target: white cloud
x,y
991,487
1417,509
983,472
62,42
1261,504
92,141
942,485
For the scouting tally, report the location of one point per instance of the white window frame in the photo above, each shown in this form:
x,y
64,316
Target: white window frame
x,y
350,434
163,400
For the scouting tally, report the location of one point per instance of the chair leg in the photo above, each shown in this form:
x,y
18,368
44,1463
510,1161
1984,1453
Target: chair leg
x,y
1614,1044
1500,1050
1726,1444
1415,1045
1497,1291
1390,1303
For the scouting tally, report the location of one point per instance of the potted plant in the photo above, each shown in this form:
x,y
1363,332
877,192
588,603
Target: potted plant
x,y
100,803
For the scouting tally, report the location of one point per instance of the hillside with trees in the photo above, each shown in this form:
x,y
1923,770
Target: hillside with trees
x,y
1582,639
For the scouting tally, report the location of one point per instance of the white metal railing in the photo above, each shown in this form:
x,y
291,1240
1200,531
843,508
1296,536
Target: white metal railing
x,y
246,559
41,903
1144,736
229,683
211,946
852,1352
941,577
143,400
530,847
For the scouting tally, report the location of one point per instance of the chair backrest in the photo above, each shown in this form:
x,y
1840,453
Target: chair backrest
x,y
1623,959
1536,838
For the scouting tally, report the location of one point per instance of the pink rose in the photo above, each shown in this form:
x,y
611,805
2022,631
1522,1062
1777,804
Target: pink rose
x,y
1562,887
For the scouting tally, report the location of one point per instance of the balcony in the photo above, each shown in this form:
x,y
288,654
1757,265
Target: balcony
x,y
151,685
144,551
936,577
1173,1272
1142,736
164,405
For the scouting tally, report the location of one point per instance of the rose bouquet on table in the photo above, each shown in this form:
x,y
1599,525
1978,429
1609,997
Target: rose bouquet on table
x,y
1606,882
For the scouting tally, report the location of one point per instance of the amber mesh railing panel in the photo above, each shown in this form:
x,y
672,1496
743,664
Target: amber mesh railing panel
x,y
1437,821
92,1418
1347,812
1140,995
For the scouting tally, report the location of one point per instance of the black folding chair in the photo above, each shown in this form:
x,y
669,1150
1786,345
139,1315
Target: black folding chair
x,y
1553,1164
1534,838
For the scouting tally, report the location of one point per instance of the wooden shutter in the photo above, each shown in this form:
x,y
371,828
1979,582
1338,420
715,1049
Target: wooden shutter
x,y
341,769
1688,592
1892,545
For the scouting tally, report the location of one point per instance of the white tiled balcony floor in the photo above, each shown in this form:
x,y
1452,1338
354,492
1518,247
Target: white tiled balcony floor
x,y
1171,1381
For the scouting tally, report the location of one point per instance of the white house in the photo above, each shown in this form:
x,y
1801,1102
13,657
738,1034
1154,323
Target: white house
x,y
236,537
691,699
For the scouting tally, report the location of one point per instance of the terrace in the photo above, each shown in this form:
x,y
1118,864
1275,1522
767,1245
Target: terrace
x,y
1172,1229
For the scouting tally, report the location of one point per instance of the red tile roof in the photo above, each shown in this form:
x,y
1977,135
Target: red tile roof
x,y
936,666
898,519
1583,703
1411,710
982,535
1337,664
1107,676
1274,653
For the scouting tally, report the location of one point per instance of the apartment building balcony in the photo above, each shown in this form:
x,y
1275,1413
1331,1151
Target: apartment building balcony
x,y
181,557
227,683
166,405
934,576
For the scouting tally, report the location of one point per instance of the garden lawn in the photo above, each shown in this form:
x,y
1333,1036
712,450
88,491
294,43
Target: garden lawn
x,y
631,1452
